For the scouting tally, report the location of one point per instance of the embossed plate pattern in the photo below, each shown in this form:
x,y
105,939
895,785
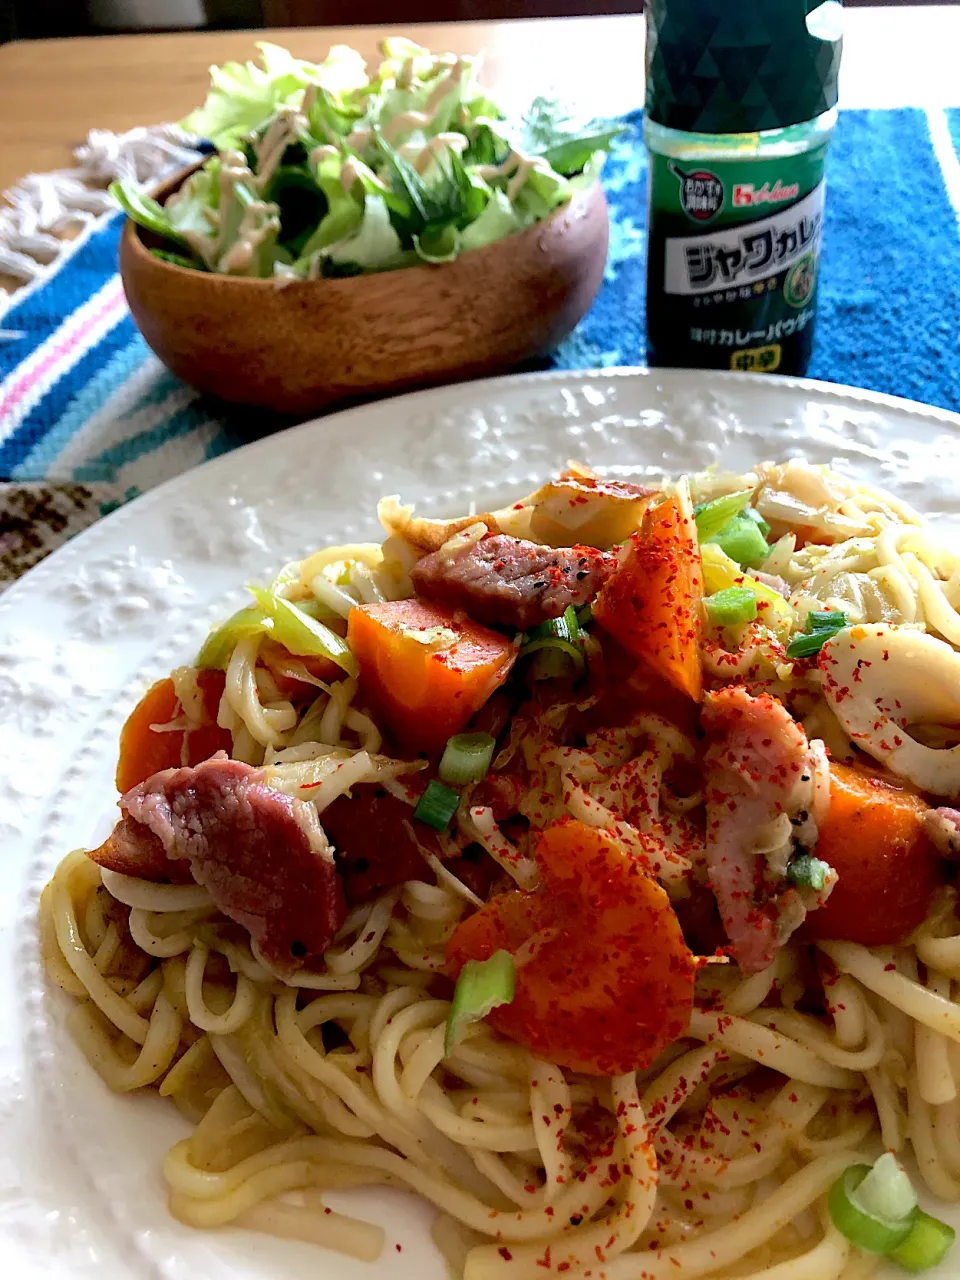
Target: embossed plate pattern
x,y
80,1187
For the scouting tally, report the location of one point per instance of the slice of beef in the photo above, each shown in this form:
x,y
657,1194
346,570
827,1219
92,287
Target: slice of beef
x,y
132,850
501,792
507,582
755,765
943,828
476,869
262,855
376,847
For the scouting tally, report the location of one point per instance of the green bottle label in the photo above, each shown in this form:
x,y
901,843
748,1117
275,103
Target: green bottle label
x,y
734,255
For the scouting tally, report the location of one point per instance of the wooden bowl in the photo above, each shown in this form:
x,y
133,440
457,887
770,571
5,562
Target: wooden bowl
x,y
300,347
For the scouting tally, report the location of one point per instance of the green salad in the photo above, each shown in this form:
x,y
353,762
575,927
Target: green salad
x,y
322,170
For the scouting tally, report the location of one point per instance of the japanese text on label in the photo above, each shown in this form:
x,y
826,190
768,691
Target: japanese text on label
x,y
742,255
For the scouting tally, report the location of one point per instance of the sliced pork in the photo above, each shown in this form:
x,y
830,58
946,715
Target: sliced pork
x,y
943,828
508,582
262,855
759,786
377,847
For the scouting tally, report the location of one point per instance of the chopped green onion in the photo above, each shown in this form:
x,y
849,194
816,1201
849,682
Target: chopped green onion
x,y
564,658
886,1191
807,646
558,647
437,805
713,516
719,571
928,1243
866,1230
301,635
808,873
825,620
466,757
553,663
742,541
220,644
316,609
483,985
753,514
875,1208
731,605
565,627
820,627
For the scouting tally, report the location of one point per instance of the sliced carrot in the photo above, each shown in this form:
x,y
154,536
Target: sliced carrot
x,y
610,983
873,837
624,685
426,668
144,752
651,604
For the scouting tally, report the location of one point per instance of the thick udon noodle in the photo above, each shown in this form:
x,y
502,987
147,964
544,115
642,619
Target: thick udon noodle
x,y
714,1162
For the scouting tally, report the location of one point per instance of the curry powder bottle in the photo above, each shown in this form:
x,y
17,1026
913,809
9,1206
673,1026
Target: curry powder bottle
x,y
740,106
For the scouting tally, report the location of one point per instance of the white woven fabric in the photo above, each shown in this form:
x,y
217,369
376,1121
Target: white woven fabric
x,y
43,206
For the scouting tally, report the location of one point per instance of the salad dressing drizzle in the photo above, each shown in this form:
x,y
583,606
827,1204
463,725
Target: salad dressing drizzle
x,y
350,172
258,222
269,150
285,128
359,139
421,156
255,226
324,152
517,167
209,247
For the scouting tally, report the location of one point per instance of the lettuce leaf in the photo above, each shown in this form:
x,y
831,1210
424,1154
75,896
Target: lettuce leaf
x,y
243,96
397,51
375,246
572,155
178,259
144,211
343,217
548,131
439,244
498,220
193,207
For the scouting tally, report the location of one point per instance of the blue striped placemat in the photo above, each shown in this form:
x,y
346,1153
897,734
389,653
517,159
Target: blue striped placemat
x,y
87,408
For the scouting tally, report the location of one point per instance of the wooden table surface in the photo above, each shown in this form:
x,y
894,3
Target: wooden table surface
x,y
53,91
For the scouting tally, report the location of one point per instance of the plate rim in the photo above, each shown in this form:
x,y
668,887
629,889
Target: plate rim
x,y
699,377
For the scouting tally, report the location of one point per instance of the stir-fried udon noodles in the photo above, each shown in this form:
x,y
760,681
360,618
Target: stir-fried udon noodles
x,y
583,867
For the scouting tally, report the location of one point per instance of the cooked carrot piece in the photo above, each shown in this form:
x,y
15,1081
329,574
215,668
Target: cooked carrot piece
x,y
873,837
426,668
624,684
610,983
143,751
651,604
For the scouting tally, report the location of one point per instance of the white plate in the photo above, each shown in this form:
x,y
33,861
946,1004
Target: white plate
x,y
80,637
